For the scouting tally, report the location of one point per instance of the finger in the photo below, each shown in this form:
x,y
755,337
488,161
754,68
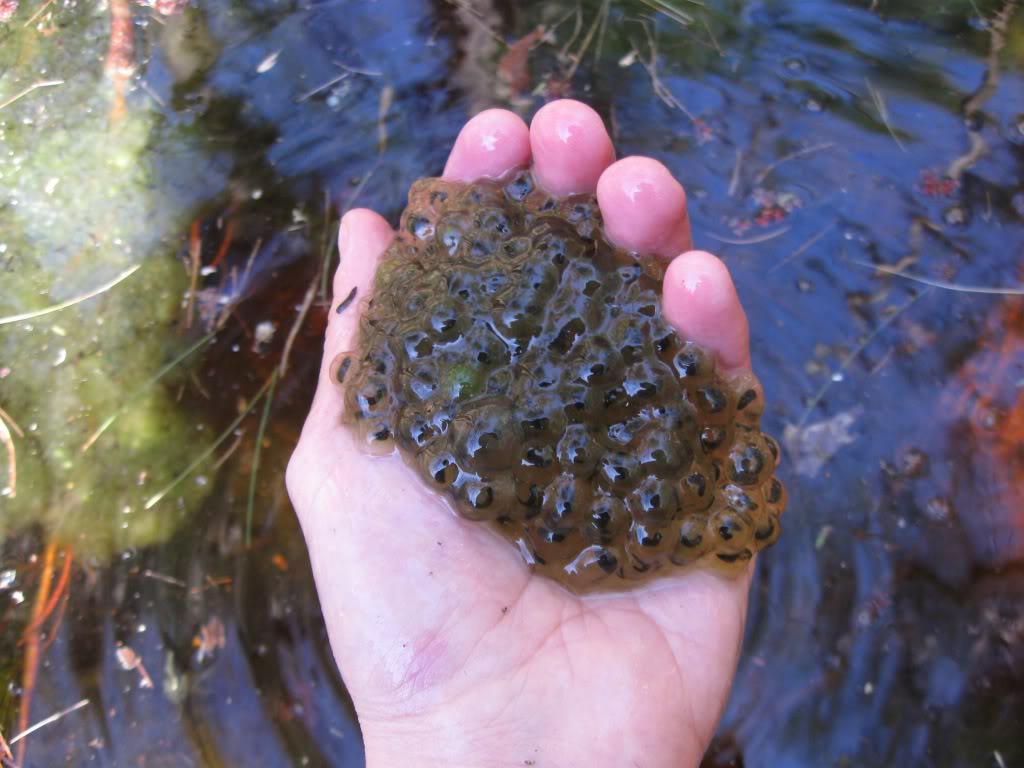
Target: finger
x,y
700,301
363,238
571,147
644,208
490,145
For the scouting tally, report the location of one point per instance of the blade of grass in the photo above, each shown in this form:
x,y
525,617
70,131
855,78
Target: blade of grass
x,y
257,450
144,388
155,498
71,302
944,285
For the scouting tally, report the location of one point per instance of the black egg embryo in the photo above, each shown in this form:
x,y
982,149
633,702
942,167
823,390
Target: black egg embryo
x,y
521,365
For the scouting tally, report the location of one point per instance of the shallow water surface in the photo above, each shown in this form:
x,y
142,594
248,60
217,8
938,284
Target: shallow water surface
x,y
858,165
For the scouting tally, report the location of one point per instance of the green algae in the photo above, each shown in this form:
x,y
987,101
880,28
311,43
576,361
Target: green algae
x,y
81,205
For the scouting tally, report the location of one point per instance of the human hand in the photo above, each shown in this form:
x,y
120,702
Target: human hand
x,y
453,653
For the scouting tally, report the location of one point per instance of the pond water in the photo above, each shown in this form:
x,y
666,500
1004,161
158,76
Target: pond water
x,y
859,165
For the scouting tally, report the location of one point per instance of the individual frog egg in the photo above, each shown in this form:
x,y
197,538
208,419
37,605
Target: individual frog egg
x,y
715,404
767,528
773,447
715,440
451,231
647,382
774,493
749,395
480,194
648,546
654,502
664,453
439,464
421,381
541,415
340,367
731,532
578,452
607,521
593,565
692,366
583,212
486,497
698,487
618,472
749,462
693,541
519,186
368,398
421,426
566,500
595,362
487,436
557,548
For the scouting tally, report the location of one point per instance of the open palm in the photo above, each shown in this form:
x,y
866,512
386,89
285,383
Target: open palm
x,y
454,654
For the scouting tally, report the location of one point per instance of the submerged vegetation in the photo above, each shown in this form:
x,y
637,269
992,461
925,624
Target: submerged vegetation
x,y
87,233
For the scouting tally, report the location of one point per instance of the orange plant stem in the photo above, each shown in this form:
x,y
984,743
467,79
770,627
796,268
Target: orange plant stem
x,y
229,234
31,640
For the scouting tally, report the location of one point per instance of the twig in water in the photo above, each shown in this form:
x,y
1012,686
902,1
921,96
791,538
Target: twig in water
x,y
577,28
71,302
11,489
944,285
5,750
50,720
883,113
855,354
195,247
680,17
230,451
321,88
803,248
358,71
472,13
144,388
30,638
27,91
998,27
165,579
153,94
791,156
651,65
578,57
714,40
734,182
602,33
225,244
387,95
257,450
205,454
38,13
750,240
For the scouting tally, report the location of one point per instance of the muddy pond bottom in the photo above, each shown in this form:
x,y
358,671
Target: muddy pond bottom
x,y
521,365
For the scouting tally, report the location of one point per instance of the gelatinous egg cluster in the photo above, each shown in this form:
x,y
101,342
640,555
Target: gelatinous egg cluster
x,y
521,365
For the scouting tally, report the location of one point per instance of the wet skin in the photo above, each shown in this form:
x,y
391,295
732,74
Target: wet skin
x,y
453,653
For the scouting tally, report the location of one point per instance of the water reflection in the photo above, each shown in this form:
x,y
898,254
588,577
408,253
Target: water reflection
x,y
816,139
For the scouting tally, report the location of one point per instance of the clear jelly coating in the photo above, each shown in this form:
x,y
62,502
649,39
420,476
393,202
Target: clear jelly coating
x,y
521,365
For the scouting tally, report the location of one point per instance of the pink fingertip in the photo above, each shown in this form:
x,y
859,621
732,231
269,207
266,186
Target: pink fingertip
x,y
700,301
490,145
571,147
644,208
